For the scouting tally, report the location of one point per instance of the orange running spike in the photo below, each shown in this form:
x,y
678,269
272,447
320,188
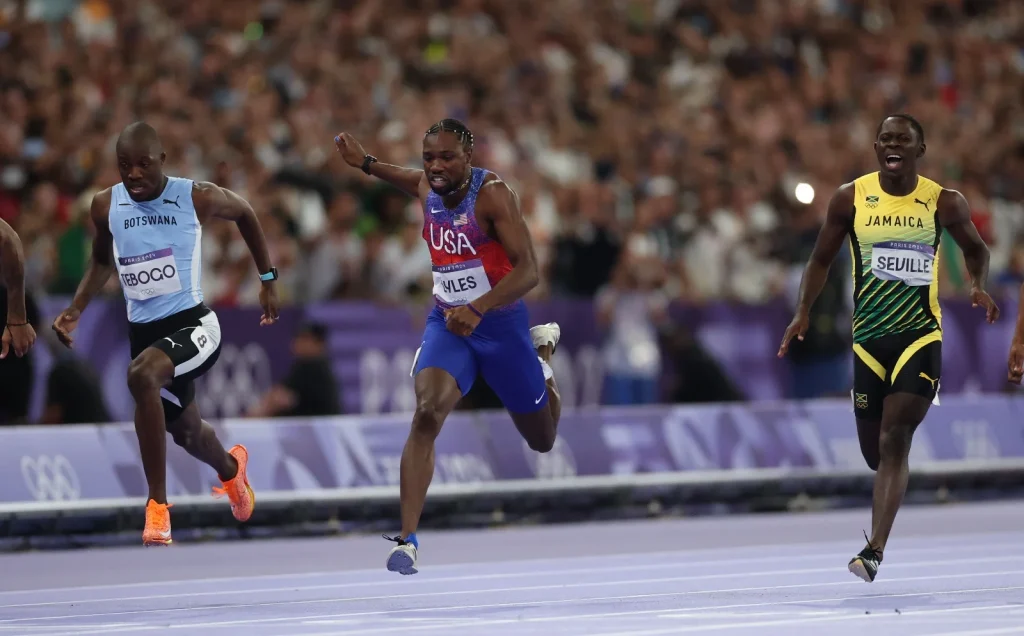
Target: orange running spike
x,y
158,524
237,489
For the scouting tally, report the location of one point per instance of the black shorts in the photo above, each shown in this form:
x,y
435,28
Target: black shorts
x,y
191,338
908,362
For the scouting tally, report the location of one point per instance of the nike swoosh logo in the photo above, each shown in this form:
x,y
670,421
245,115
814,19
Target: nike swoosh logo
x,y
537,401
436,211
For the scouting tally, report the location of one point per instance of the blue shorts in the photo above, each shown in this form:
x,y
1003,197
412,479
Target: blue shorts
x,y
500,349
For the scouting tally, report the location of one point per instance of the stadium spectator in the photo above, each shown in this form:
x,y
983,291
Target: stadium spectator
x,y
73,391
688,123
309,389
688,120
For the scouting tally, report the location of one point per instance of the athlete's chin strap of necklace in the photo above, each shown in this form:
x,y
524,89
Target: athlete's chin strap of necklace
x,y
463,185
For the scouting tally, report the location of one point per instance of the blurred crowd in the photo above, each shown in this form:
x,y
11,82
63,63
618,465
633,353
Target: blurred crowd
x,y
663,150
662,136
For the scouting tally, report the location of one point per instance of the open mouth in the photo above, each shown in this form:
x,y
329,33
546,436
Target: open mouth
x,y
438,181
137,189
893,162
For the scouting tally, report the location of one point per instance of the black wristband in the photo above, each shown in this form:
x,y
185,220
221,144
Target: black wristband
x,y
367,160
17,324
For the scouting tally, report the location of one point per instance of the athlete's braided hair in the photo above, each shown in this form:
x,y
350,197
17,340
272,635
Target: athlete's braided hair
x,y
456,127
916,125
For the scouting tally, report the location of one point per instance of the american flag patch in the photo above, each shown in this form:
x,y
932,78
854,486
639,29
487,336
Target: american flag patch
x,y
460,219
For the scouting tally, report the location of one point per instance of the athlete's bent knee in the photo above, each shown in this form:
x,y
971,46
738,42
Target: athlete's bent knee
x,y
894,442
182,435
184,432
542,443
143,377
538,430
427,419
871,459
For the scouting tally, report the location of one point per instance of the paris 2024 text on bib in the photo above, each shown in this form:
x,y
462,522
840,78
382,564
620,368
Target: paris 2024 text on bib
x,y
910,263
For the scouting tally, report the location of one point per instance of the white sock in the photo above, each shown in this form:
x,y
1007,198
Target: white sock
x,y
548,373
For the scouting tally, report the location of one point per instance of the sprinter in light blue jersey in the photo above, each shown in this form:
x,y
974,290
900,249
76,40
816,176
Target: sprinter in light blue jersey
x,y
149,229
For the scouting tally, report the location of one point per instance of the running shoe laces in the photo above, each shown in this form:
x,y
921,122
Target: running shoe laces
x,y
396,539
870,552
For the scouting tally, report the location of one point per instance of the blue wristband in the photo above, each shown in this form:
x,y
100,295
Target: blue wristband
x,y
474,310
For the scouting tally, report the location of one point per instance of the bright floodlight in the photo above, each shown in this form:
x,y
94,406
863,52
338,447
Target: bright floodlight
x,y
804,193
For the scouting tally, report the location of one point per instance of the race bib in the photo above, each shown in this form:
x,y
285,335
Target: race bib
x,y
149,275
910,263
460,283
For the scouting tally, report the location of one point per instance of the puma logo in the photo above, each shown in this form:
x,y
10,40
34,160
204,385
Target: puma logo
x,y
173,343
925,376
174,202
924,203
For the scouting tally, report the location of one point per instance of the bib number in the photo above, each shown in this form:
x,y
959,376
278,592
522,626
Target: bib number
x,y
460,283
909,263
149,275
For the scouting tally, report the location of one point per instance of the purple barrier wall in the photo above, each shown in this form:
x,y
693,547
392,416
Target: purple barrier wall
x,y
372,348
94,462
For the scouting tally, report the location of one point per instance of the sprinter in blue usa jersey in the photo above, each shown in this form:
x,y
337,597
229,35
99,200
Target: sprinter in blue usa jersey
x,y
483,263
149,231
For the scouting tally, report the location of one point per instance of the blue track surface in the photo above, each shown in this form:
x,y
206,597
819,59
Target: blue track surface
x,y
955,570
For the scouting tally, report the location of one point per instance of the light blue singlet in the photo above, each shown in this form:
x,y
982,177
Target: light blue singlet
x,y
157,251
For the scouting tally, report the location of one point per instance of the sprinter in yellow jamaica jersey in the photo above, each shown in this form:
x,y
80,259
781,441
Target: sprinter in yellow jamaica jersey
x,y
894,219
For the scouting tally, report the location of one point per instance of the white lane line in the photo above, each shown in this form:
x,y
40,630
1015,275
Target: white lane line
x,y
501,605
996,631
784,552
599,571
906,616
606,615
298,621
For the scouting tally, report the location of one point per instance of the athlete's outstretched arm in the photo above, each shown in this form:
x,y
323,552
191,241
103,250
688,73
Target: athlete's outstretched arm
x,y
213,201
408,180
500,204
955,216
101,266
830,239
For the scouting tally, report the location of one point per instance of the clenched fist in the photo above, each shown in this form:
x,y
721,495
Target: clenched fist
x,y
351,150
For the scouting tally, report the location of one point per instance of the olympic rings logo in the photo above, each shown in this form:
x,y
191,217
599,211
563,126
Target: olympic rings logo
x,y
236,382
50,478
